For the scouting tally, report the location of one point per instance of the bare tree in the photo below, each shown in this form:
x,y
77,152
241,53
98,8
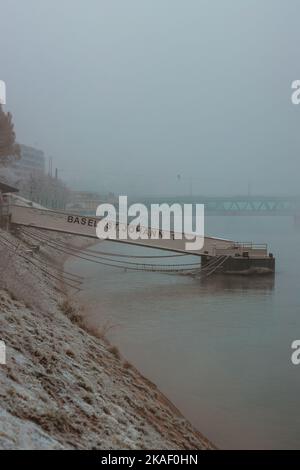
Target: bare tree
x,y
8,147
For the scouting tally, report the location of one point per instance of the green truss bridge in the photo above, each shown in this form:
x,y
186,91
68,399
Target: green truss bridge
x,y
236,205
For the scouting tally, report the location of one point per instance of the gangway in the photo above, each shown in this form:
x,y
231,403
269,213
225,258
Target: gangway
x,y
237,258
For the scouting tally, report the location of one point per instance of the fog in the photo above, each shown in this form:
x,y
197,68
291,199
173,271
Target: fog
x,y
157,96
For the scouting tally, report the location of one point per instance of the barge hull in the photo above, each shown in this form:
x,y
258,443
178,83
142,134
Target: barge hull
x,y
245,266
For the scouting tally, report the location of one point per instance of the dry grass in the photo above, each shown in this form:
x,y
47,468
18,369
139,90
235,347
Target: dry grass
x,y
20,283
77,316
127,365
114,350
71,312
55,420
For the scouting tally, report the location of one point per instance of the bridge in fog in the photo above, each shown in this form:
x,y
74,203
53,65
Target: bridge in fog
x,y
236,205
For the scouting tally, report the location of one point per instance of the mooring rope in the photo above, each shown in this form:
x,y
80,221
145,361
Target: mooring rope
x,y
120,255
14,251
66,246
124,266
219,262
93,256
206,270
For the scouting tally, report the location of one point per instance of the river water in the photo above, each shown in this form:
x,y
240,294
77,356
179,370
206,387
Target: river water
x,y
219,348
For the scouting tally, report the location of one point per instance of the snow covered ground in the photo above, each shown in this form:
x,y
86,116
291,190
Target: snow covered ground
x,y
64,386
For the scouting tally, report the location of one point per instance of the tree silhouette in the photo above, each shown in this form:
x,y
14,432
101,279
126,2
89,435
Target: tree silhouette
x,y
8,146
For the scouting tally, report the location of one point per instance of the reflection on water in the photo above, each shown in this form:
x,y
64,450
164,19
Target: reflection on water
x,y
218,347
238,283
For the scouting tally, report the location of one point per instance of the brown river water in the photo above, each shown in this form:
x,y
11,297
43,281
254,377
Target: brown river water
x,y
219,348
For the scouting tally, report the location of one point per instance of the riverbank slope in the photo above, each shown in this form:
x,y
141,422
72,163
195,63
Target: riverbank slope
x,y
64,386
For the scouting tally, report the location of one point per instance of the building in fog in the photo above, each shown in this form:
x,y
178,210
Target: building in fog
x,y
33,182
87,201
31,163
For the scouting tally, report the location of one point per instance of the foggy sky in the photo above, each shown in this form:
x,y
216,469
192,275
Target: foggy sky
x,y
128,94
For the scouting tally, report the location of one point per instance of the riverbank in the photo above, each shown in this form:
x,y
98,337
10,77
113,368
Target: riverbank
x,y
65,386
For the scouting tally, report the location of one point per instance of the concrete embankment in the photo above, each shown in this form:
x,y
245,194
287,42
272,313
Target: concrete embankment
x,y
64,386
